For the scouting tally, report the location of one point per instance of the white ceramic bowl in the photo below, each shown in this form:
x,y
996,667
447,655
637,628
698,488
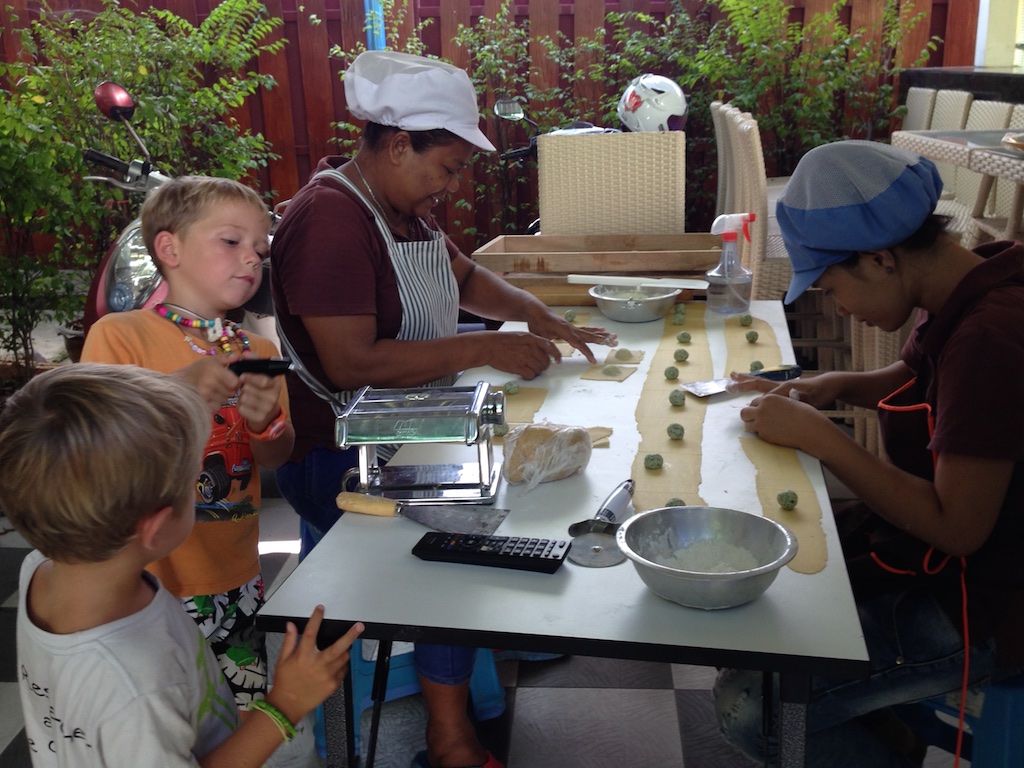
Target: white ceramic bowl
x,y
634,305
656,540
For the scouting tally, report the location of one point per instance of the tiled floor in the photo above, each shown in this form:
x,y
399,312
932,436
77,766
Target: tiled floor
x,y
569,712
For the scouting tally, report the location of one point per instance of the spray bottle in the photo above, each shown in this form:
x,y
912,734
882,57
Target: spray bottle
x,y
729,283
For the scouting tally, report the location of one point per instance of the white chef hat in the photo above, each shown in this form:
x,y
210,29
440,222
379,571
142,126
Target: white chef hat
x,y
413,93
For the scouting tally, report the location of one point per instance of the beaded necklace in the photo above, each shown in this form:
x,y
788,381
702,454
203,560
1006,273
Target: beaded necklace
x,y
218,331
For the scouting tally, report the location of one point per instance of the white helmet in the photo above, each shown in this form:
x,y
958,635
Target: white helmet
x,y
653,103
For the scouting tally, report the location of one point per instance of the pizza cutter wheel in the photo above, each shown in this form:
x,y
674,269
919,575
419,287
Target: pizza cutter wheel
x,y
593,544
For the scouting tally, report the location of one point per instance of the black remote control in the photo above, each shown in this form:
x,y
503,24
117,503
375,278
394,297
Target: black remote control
x,y
521,553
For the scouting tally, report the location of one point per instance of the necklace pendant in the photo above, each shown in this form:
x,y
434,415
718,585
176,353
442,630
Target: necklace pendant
x,y
215,331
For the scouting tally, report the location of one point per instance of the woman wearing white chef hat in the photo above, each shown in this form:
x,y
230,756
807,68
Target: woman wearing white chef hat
x,y
367,290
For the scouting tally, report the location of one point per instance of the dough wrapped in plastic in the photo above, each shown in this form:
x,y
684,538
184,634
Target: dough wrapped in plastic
x,y
539,453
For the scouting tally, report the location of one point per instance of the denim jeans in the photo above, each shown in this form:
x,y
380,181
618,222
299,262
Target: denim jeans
x,y
916,653
310,487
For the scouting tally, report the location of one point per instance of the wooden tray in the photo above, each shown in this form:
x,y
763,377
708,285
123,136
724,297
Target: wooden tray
x,y
540,263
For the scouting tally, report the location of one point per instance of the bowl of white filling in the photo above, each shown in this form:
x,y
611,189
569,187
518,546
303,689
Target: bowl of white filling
x,y
640,304
706,557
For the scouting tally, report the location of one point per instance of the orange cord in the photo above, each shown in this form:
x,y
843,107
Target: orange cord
x,y
967,665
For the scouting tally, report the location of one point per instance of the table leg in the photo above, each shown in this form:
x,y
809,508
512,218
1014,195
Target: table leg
x,y
794,694
984,190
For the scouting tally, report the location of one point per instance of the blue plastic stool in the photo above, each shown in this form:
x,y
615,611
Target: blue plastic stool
x,y
995,715
486,692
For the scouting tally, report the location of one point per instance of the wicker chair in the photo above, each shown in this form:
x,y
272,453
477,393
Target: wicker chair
x,y
920,104
612,183
950,114
724,202
816,329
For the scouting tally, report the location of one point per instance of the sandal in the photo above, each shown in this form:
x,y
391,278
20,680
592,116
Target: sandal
x,y
423,761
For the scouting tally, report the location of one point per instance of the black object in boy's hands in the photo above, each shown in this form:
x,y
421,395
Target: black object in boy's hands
x,y
268,366
521,553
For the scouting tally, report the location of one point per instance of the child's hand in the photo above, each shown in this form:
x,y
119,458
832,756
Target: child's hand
x,y
258,400
210,377
305,676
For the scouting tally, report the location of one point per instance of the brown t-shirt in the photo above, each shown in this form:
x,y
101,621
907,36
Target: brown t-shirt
x,y
329,259
968,360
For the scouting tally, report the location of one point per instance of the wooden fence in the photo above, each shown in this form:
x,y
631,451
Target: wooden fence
x,y
296,116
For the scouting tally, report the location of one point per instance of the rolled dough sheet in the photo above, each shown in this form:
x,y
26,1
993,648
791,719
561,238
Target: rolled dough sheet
x,y
680,476
522,407
741,353
597,372
779,469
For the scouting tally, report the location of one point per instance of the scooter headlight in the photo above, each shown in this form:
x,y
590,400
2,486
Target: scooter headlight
x,y
132,277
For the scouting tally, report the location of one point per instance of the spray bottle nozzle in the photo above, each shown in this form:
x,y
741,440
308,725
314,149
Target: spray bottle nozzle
x,y
733,222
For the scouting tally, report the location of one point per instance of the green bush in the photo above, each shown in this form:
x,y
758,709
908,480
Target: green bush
x,y
187,82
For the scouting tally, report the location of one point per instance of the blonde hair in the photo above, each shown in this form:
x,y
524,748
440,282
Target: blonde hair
x,y
89,450
178,204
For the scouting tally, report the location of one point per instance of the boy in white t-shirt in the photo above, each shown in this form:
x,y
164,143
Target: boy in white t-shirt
x,y
97,472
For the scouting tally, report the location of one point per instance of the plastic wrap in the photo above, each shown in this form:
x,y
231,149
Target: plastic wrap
x,y
539,453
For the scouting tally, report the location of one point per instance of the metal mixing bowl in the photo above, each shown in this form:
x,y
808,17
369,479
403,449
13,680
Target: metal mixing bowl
x,y
650,538
634,305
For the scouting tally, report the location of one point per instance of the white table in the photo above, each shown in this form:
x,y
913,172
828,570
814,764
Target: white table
x,y
803,625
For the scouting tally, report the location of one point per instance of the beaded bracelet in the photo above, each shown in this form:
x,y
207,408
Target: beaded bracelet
x,y
284,725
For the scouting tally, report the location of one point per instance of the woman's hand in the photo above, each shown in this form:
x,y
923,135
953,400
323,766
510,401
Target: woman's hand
x,y
785,420
545,323
524,354
817,391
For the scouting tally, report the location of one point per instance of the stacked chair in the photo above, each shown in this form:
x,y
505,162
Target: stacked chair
x,y
816,329
920,105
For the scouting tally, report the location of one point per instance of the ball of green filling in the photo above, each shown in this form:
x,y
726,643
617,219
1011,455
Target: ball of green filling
x,y
511,387
677,397
653,461
681,355
787,499
746,319
623,354
671,372
611,370
675,501
678,319
679,309
756,366
676,431
500,429
751,336
683,337
570,315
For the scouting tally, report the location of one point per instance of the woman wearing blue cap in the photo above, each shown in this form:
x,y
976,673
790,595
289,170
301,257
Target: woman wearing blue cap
x,y
935,544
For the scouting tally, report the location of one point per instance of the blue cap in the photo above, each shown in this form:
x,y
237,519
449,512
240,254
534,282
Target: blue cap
x,y
852,196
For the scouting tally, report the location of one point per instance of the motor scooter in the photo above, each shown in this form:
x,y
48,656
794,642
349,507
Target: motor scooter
x,y
127,277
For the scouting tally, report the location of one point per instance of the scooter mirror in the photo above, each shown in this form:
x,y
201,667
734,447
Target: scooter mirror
x,y
509,109
114,101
